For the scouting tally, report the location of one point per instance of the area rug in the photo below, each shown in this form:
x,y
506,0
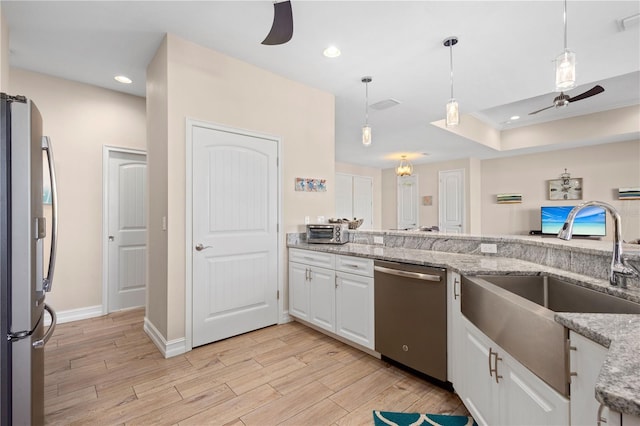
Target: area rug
x,y
388,418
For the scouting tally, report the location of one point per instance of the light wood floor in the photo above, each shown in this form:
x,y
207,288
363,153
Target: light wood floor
x,y
106,371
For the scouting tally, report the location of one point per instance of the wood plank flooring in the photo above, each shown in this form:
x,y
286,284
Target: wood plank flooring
x,y
105,371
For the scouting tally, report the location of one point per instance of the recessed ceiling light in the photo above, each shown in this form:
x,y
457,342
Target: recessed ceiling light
x,y
514,117
122,79
331,52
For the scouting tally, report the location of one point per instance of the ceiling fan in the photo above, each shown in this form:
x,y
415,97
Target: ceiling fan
x,y
563,100
282,27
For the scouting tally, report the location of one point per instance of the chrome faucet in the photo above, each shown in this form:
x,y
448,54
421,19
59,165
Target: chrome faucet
x,y
620,269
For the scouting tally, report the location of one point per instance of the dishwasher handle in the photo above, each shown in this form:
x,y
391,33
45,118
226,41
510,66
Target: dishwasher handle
x,y
407,274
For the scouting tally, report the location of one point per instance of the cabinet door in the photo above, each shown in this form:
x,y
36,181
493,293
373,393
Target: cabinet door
x,y
586,361
322,298
299,290
455,333
524,399
480,395
354,308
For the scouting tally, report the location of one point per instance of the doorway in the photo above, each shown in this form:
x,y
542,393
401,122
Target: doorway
x,y
407,200
451,201
124,229
234,214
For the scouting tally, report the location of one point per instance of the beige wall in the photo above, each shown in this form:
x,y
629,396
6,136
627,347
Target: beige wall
x,y
81,119
157,148
4,52
603,168
428,184
206,85
376,175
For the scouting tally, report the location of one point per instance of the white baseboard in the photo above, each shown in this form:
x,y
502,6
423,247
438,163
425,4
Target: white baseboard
x,y
285,318
167,348
75,314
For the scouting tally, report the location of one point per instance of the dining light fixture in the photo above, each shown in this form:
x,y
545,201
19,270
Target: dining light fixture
x,y
453,116
404,168
565,63
366,130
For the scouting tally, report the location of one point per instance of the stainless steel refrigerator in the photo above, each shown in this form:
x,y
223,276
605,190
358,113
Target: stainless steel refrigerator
x,y
23,279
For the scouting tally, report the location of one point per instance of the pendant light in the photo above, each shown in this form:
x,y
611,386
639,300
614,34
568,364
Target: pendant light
x,y
404,168
453,116
565,63
366,130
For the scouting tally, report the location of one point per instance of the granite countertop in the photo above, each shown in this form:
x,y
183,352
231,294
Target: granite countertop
x,y
618,385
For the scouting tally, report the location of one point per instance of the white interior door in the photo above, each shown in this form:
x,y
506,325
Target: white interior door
x,y
451,204
235,210
127,230
407,202
344,196
363,200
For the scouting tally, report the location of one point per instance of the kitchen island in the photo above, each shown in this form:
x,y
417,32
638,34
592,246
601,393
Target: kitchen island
x,y
582,262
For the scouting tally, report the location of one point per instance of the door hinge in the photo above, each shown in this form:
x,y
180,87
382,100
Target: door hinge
x,y
277,227
278,295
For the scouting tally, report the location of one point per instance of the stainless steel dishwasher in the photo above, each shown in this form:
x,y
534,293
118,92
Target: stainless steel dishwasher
x,y
411,316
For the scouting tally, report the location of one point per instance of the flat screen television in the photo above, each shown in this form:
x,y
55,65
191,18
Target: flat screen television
x,y
590,222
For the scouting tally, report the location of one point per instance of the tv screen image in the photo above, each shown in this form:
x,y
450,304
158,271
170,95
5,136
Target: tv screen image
x,y
590,221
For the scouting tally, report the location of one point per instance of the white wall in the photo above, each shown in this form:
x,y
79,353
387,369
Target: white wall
x,y
4,52
80,119
603,168
209,86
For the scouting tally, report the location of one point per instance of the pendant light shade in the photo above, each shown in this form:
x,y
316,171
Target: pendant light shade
x,y
453,116
565,63
366,129
404,168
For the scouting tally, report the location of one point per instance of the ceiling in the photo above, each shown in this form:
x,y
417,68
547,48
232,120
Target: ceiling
x,y
502,63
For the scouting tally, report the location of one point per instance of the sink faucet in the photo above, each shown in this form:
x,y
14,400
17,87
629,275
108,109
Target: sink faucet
x,y
620,269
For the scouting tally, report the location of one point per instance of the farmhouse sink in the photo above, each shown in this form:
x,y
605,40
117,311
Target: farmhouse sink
x,y
517,311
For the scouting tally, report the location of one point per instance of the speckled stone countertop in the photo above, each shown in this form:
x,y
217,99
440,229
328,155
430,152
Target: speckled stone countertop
x,y
618,385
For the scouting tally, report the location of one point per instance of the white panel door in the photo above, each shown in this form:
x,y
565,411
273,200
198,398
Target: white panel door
x,y
407,202
480,396
354,308
451,195
344,196
235,210
127,238
299,290
322,297
363,200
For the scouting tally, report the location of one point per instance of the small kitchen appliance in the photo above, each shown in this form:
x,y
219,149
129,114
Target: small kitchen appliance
x,y
328,233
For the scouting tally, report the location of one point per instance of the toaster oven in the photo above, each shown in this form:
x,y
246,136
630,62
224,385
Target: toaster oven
x,y
328,233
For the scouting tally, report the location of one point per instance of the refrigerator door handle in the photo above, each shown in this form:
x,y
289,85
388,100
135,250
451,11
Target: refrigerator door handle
x,y
39,344
48,280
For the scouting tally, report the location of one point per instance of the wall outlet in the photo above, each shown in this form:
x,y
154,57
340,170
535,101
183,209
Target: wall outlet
x,y
488,248
306,220
378,240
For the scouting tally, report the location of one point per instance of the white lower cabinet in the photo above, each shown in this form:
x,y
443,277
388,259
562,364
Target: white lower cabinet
x,y
333,292
586,359
498,390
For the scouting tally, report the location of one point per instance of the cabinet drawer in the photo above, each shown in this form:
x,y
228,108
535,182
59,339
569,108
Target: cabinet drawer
x,y
313,258
354,265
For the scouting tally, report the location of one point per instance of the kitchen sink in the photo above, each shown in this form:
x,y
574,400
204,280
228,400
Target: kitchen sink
x,y
562,296
517,313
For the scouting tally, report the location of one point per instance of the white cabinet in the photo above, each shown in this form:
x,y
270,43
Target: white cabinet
x,y
354,299
586,359
333,292
455,332
500,390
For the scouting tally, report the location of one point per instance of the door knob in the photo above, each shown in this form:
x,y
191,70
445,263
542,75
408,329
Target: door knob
x,y
200,247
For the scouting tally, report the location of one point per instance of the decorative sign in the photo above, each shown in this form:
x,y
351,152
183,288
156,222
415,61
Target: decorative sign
x,y
311,185
629,193
509,198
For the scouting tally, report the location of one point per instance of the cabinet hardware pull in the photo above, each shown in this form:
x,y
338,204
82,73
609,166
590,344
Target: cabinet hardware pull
x,y
495,365
351,265
490,369
600,418
455,293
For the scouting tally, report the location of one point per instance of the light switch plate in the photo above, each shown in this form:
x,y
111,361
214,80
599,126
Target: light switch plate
x,y
488,248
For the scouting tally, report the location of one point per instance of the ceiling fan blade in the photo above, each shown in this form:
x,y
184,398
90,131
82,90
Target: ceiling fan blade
x,y
591,92
282,27
540,110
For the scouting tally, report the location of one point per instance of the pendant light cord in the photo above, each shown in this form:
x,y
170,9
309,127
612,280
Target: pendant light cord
x,y
451,66
366,103
565,24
